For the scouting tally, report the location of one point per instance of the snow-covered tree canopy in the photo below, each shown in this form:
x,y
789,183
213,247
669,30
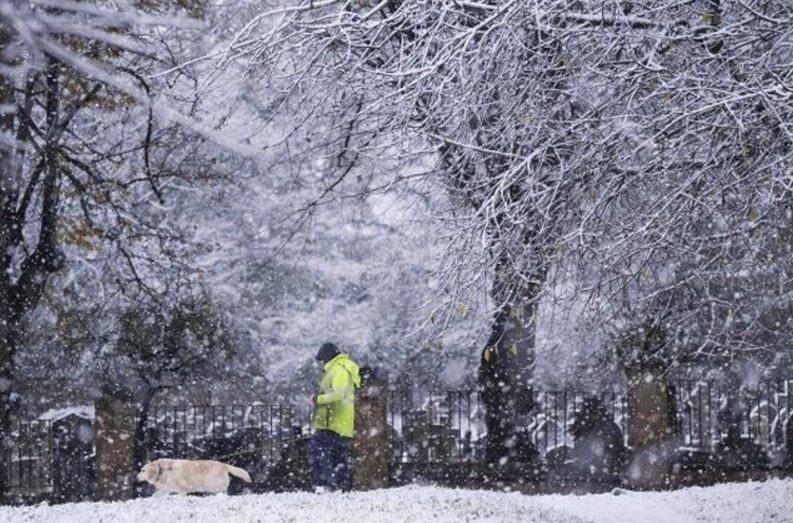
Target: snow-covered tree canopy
x,y
640,150
166,196
616,174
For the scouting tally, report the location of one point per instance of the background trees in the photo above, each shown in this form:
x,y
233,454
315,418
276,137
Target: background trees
x,y
169,187
305,166
76,164
625,147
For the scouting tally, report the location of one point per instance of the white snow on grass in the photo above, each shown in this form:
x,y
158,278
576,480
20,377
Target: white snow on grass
x,y
770,501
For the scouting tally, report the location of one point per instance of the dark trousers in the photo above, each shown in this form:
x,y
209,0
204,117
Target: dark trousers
x,y
329,458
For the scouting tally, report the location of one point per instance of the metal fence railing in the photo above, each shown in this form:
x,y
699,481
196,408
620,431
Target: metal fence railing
x,y
438,426
450,425
29,460
706,412
56,457
251,436
50,458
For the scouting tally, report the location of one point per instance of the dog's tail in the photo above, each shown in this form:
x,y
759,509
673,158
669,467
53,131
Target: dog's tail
x,y
240,473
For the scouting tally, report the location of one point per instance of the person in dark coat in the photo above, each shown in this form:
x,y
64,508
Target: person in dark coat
x,y
599,443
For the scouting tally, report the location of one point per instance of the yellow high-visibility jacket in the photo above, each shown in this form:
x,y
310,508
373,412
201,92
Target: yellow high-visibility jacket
x,y
335,404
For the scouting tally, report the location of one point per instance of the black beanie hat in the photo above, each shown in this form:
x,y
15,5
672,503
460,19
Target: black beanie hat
x,y
327,352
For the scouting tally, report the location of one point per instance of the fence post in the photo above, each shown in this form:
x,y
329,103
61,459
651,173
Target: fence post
x,y
371,450
650,427
114,447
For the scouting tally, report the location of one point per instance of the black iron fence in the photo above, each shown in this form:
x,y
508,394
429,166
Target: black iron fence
x,y
708,412
51,459
56,457
251,436
450,425
438,426
29,460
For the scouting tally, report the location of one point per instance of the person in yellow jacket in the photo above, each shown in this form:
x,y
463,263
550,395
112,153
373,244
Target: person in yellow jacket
x,y
333,420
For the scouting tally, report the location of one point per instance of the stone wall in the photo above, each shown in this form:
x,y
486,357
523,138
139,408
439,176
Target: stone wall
x,y
650,428
371,451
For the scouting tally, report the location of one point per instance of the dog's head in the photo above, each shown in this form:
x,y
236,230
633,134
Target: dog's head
x,y
149,473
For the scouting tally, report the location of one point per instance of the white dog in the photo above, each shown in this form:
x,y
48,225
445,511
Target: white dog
x,y
183,476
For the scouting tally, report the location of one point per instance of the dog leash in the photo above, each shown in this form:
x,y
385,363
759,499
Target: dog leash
x,y
239,453
242,452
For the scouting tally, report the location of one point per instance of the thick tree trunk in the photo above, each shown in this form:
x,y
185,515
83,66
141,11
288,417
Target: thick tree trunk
x,y
7,200
21,295
506,366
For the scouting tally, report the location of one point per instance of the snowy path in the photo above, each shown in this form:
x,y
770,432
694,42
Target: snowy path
x,y
770,501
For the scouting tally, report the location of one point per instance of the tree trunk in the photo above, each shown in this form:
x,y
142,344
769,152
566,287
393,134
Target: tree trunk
x,y
7,200
6,376
20,296
139,433
506,366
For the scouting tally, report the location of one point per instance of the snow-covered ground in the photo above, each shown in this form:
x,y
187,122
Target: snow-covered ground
x,y
770,501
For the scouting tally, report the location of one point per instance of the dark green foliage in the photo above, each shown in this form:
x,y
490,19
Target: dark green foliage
x,y
175,341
